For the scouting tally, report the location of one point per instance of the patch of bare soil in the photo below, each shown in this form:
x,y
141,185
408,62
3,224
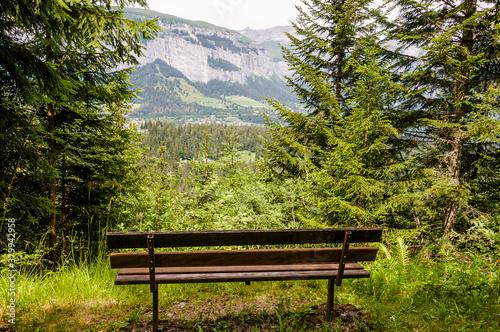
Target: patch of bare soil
x,y
255,316
5,327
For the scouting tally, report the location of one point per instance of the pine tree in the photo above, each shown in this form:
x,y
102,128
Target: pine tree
x,y
325,35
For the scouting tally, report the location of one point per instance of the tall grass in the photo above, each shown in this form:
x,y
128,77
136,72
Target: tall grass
x,y
420,294
44,298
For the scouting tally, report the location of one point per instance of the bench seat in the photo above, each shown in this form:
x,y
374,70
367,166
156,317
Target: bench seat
x,y
137,276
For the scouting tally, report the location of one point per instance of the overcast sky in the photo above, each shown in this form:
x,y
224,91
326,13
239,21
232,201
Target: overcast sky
x,y
233,14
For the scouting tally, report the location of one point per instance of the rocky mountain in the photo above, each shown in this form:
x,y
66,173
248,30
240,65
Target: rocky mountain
x,y
204,52
276,34
194,71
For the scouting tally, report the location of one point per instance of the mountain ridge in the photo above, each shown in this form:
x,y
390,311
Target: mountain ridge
x,y
129,12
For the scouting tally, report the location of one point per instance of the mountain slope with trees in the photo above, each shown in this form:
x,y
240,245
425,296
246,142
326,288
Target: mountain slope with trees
x,y
168,94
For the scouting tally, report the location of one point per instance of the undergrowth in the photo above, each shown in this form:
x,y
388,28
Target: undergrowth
x,y
439,289
431,295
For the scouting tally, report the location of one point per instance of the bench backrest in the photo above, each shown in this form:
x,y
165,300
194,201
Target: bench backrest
x,y
127,240
242,257
264,257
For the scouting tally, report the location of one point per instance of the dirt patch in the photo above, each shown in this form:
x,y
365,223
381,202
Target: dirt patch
x,y
5,327
254,316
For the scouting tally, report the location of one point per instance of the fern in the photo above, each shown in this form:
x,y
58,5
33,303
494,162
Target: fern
x,y
402,252
398,254
385,250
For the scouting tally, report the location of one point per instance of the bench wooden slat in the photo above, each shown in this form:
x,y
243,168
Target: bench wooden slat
x,y
124,240
267,268
238,276
241,257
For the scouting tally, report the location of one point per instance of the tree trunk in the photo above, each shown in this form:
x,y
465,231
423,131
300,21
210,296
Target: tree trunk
x,y
64,208
339,76
455,137
455,167
52,185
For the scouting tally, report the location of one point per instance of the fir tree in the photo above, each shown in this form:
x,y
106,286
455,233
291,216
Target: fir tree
x,y
340,147
326,33
448,81
66,99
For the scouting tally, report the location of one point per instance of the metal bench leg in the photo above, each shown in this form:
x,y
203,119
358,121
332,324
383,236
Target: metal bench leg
x,y
153,286
329,302
155,310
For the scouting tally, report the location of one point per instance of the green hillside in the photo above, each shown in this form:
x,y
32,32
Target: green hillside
x,y
168,94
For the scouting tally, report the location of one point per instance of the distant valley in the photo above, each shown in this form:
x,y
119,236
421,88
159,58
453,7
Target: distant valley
x,y
195,72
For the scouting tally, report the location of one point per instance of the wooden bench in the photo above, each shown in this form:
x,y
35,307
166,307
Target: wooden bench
x,y
169,267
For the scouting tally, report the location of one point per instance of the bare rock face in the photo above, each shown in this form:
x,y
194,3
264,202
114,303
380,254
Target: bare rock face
x,y
204,54
276,34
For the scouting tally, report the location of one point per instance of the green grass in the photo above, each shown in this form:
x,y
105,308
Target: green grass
x,y
202,100
425,295
246,156
429,295
245,101
186,91
194,96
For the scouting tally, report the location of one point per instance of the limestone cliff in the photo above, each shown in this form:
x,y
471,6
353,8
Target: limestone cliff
x,y
189,46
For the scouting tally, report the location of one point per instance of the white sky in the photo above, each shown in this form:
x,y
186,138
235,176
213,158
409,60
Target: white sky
x,y
233,14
